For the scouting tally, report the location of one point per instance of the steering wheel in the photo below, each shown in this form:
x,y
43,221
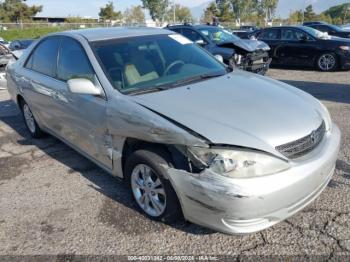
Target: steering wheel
x,y
177,62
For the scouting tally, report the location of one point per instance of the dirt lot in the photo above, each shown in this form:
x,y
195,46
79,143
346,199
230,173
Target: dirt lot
x,y
54,201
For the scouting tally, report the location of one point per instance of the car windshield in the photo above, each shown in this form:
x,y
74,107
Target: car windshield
x,y
151,63
336,28
315,33
219,35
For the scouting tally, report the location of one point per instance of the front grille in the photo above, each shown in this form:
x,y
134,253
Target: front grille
x,y
302,146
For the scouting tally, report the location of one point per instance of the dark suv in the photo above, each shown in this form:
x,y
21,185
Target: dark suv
x,y
249,55
328,28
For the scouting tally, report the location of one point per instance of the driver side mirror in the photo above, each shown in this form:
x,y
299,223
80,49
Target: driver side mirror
x,y
83,86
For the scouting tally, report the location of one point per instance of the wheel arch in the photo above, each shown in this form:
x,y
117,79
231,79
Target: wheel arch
x,y
131,145
19,100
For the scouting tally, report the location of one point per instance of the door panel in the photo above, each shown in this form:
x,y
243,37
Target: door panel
x,y
83,117
83,120
297,48
37,82
272,38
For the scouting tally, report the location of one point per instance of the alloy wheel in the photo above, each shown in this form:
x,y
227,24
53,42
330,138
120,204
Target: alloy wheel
x,y
29,118
148,190
327,62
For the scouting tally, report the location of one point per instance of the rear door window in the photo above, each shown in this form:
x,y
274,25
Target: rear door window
x,y
294,35
271,34
44,58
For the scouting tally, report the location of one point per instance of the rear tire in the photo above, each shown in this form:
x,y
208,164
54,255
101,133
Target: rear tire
x,y
149,186
31,124
327,62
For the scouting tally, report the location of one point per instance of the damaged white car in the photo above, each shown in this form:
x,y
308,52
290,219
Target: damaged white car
x,y
232,151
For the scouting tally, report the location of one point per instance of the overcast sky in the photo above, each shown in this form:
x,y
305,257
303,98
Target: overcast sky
x,y
91,7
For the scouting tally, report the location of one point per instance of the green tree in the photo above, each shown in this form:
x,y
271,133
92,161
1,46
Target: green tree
x,y
134,14
267,8
108,12
210,12
296,17
309,14
157,9
182,14
17,11
242,9
340,13
225,11
325,18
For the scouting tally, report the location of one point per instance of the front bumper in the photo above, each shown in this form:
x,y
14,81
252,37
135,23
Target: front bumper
x,y
239,206
345,62
344,59
258,64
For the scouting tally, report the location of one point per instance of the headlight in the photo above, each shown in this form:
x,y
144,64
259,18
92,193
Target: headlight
x,y
239,163
345,48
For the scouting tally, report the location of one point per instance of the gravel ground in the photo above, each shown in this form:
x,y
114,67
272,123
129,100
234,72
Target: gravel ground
x,y
54,201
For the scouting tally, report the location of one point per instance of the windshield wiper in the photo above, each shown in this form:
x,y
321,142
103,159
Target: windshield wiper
x,y
193,79
146,90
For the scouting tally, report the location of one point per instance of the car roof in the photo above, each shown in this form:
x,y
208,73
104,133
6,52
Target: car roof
x,y
192,26
206,26
315,23
286,27
99,34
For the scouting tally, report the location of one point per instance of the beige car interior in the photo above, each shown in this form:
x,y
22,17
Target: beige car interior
x,y
139,68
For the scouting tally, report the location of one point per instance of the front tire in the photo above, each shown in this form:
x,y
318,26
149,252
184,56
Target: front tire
x,y
152,191
327,62
31,124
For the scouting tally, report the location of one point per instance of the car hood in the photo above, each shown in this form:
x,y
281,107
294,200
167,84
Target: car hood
x,y
247,44
338,39
240,109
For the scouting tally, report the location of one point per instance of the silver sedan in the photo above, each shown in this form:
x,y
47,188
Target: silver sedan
x,y
223,148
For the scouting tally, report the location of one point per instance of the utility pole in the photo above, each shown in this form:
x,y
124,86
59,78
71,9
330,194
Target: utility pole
x,y
304,7
174,11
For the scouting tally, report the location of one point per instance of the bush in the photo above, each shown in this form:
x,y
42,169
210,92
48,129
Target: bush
x,y
13,34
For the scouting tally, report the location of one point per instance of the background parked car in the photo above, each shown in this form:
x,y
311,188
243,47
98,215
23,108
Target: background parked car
x,y
305,46
5,55
346,27
246,34
20,44
328,28
249,55
4,42
249,27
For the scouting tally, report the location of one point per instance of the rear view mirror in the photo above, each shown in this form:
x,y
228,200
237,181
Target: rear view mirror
x,y
83,86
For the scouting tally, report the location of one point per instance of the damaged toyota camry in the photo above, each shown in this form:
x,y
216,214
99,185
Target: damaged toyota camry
x,y
229,150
